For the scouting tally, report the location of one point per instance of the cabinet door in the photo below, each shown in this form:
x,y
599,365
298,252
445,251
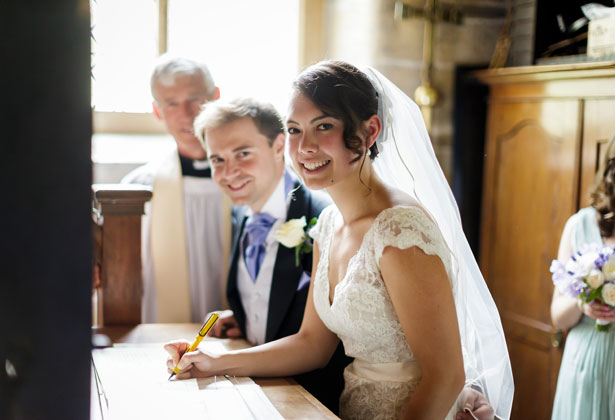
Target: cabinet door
x,y
598,128
530,190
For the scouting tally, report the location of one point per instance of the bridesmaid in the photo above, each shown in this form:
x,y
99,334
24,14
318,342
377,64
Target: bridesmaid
x,y
586,383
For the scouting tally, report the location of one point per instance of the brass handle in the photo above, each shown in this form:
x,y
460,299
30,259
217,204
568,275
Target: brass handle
x,y
557,338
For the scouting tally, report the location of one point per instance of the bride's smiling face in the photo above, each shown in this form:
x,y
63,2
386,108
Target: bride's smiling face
x,y
316,144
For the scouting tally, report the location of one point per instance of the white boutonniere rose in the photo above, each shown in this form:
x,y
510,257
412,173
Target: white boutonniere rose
x,y
292,234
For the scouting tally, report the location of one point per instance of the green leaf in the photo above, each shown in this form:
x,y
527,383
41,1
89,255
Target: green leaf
x,y
594,294
313,221
603,328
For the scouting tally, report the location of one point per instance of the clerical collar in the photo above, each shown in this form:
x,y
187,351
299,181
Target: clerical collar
x,y
197,168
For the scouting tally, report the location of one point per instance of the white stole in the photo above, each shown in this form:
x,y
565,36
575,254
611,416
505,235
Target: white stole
x,y
168,245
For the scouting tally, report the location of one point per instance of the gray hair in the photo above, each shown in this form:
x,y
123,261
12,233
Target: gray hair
x,y
169,67
216,114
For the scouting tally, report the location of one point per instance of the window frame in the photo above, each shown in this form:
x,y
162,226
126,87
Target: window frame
x,y
311,47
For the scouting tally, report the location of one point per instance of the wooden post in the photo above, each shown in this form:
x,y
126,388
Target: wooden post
x,y
117,210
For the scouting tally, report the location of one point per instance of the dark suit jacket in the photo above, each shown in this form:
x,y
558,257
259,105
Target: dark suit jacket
x,y
288,297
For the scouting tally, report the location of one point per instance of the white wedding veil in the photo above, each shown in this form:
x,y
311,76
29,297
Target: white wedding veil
x,y
406,160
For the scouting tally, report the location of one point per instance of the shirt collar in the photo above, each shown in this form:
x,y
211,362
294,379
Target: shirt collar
x,y
277,204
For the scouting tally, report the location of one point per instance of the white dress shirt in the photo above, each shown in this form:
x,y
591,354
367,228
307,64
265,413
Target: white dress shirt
x,y
255,295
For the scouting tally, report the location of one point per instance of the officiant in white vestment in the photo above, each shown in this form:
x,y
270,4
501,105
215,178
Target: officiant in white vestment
x,y
186,227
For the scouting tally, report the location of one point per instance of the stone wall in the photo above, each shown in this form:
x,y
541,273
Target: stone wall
x,y
364,32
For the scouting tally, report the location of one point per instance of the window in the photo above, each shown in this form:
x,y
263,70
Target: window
x,y
251,48
124,48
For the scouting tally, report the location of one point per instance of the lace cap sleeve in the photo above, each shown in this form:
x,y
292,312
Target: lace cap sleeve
x,y
317,231
405,227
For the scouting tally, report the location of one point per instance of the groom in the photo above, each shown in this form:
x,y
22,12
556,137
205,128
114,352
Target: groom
x,y
267,287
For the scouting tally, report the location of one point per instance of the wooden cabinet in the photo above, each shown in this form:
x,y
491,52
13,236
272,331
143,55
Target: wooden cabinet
x,y
545,128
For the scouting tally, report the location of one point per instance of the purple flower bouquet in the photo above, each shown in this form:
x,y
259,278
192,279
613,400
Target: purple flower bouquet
x,y
588,275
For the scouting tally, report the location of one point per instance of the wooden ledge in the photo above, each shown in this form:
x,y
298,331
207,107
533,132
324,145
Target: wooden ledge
x,y
546,72
120,199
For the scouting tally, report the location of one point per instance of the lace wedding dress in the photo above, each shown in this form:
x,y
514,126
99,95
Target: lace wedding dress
x,y
384,374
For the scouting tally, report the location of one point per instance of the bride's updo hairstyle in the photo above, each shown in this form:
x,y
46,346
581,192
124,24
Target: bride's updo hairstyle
x,y
603,192
342,91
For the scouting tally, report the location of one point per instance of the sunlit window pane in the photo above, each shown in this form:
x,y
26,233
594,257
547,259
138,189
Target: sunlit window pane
x,y
124,49
251,47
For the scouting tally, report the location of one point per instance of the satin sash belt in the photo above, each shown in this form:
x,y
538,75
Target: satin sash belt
x,y
408,371
389,372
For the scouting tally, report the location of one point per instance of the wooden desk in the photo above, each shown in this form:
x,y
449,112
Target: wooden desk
x,y
289,398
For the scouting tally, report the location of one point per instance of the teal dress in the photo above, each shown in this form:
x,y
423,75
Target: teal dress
x,y
586,382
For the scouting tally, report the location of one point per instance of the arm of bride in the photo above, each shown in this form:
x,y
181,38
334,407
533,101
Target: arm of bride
x,y
423,300
308,349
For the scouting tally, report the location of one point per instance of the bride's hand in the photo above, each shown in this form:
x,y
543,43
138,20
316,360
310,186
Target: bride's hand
x,y
477,404
195,364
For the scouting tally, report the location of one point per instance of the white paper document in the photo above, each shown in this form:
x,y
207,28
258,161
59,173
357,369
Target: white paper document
x,y
132,383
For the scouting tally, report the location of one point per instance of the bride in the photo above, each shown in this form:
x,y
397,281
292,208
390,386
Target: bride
x,y
393,275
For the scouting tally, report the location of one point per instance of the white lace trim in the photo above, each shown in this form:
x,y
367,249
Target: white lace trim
x,y
362,314
357,400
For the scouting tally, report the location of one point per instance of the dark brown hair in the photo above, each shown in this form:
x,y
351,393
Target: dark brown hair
x,y
342,91
603,198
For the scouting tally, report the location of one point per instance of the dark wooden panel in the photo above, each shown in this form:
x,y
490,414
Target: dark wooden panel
x,y
579,80
534,188
532,397
121,270
117,245
544,130
45,242
532,168
527,330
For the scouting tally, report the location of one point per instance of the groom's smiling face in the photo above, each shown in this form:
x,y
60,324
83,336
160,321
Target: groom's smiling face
x,y
246,164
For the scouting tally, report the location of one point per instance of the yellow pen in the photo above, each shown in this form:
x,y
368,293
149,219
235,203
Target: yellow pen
x,y
202,333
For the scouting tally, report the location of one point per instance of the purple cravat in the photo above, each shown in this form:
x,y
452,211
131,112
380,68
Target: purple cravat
x,y
257,229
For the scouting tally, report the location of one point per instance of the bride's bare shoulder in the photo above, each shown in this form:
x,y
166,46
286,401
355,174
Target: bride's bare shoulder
x,y
400,198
